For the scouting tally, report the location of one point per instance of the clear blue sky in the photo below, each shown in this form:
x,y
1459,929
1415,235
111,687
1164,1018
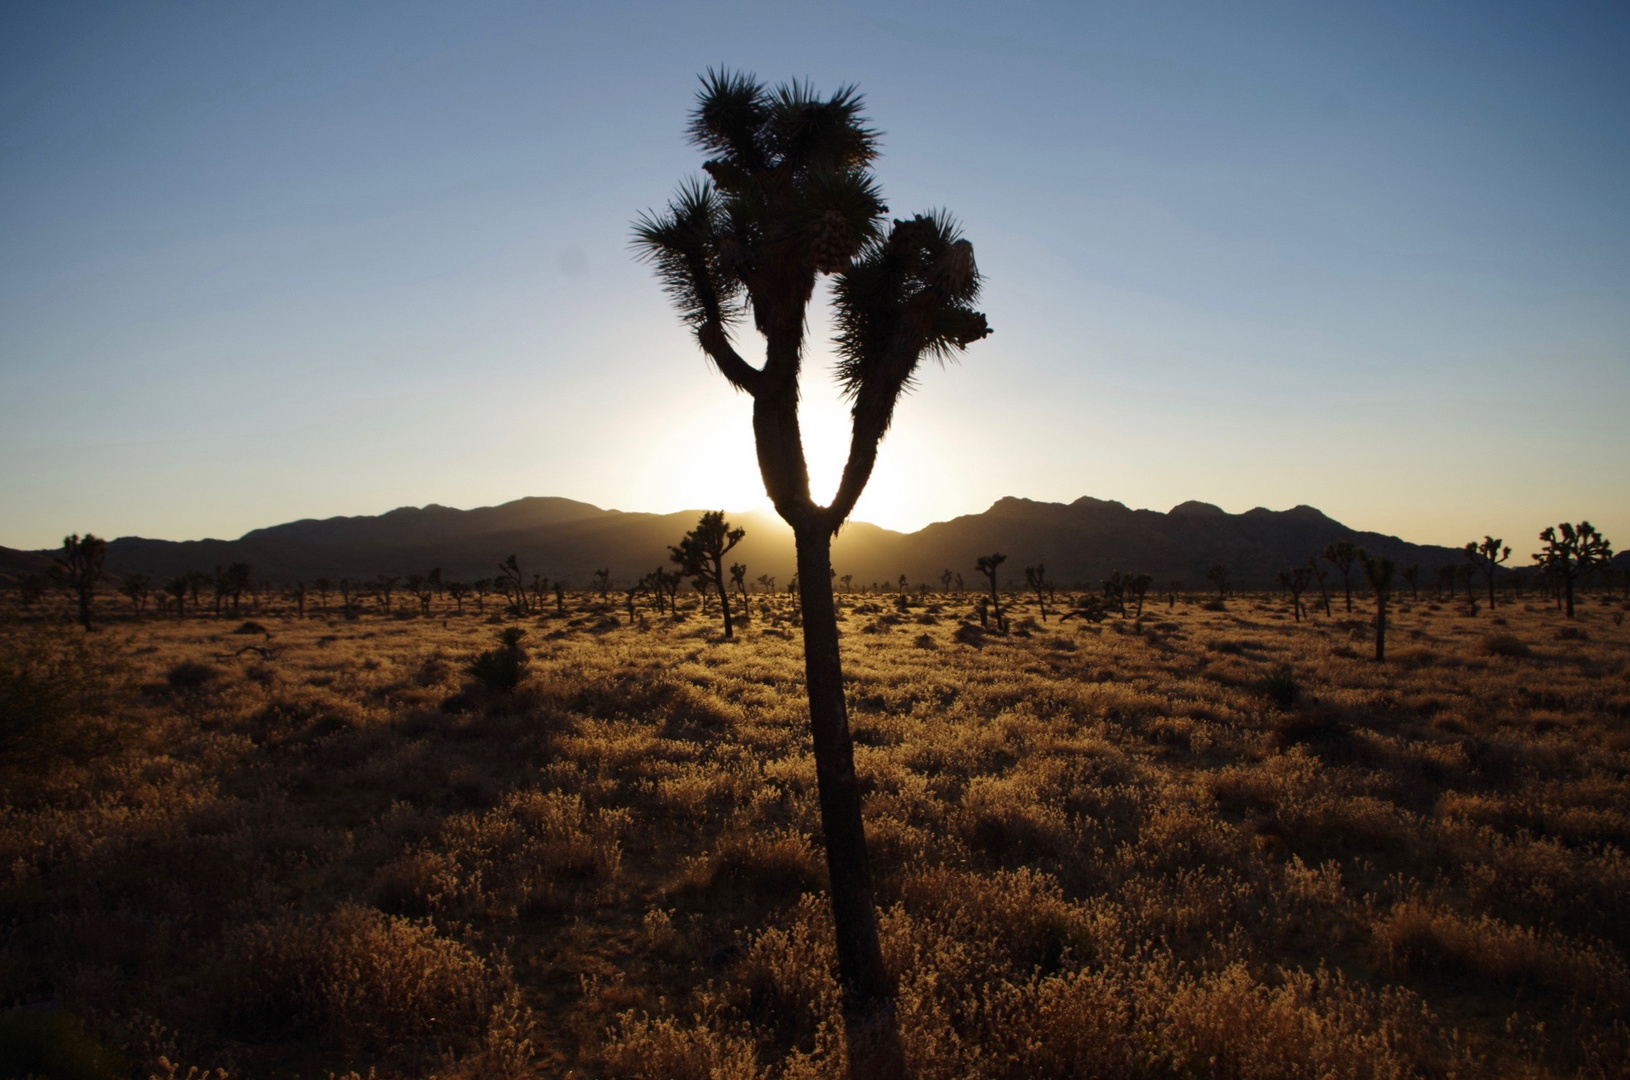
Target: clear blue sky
x,y
274,261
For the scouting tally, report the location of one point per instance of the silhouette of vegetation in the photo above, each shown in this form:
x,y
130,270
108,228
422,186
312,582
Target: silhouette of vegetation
x,y
1295,582
501,669
1572,552
789,197
1378,572
1342,554
988,565
79,568
700,555
1218,575
1034,576
1486,558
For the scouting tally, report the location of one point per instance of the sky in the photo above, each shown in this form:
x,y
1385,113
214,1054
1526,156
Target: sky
x,y
264,262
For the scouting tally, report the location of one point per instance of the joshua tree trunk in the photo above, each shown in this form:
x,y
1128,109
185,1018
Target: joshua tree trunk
x,y
874,1041
1381,629
724,596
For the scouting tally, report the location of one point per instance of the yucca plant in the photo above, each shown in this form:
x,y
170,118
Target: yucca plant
x,y
503,668
789,196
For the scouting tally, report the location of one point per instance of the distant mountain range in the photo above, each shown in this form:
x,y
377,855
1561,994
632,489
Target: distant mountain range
x,y
1080,542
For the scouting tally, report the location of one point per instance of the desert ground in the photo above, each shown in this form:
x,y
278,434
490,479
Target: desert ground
x,y
1196,843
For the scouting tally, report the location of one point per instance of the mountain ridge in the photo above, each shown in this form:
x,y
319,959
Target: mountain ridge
x,y
1079,542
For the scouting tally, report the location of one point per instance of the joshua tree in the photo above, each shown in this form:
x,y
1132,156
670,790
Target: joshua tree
x,y
946,577
300,598
1034,576
766,583
1412,577
540,590
458,591
1379,574
1218,576
481,587
738,578
323,587
1571,552
177,587
513,584
987,565
790,196
1137,586
560,598
384,583
847,580
602,583
79,568
137,587
1486,558
423,589
701,555
1295,580
1342,554
1445,575
1114,590
345,596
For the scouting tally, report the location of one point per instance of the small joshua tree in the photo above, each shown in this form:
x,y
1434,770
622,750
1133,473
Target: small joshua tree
x,y
1218,576
176,588
1379,574
789,197
1412,577
1034,576
701,553
1295,580
1486,558
602,583
323,587
1114,590
1342,554
79,568
1570,553
738,578
1137,587
458,591
513,584
137,587
987,565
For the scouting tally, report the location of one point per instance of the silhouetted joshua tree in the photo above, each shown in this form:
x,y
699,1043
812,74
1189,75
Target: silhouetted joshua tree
x,y
1412,577
560,597
481,587
299,593
384,584
701,553
1295,580
137,587
1342,554
790,196
79,568
987,565
1034,576
323,587
177,587
1114,590
1379,574
1572,552
602,583
738,578
1137,587
458,591
1486,558
513,584
1218,576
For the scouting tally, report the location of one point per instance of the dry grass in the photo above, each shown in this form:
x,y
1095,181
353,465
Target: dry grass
x,y
1204,843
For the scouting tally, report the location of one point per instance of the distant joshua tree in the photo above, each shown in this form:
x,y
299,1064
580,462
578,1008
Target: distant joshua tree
x,y
299,593
1570,553
1486,558
738,578
481,587
513,584
1412,576
1218,576
137,587
847,581
1137,587
383,585
946,577
701,555
987,565
1379,574
323,587
458,591
423,590
766,583
602,583
790,196
1114,590
176,588
1295,580
1342,554
1034,576
79,568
